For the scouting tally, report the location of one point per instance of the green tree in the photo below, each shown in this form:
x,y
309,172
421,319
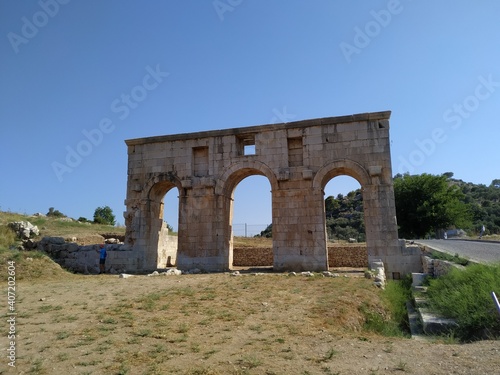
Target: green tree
x,y
267,233
426,203
55,213
104,215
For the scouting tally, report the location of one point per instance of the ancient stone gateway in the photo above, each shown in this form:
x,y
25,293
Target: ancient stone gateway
x,y
298,159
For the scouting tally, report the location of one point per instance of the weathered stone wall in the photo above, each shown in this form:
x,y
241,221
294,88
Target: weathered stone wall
x,y
85,259
437,267
167,249
252,257
354,255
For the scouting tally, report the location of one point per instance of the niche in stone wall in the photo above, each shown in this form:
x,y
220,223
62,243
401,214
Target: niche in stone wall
x,y
295,152
200,161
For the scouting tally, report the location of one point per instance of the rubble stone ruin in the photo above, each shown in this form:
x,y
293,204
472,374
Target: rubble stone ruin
x,y
298,158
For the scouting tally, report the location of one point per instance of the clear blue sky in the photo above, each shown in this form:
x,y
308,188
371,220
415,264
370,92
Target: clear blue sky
x,y
70,68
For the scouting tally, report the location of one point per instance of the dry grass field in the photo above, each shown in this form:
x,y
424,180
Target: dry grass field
x,y
216,324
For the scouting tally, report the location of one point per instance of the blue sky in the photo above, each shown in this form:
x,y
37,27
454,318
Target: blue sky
x,y
73,71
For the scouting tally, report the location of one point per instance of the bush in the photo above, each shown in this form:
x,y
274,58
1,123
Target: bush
x,y
104,215
465,295
55,213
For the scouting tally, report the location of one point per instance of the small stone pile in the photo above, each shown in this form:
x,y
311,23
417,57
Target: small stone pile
x,y
377,273
24,229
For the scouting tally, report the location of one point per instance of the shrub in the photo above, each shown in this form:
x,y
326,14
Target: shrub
x,y
465,295
55,213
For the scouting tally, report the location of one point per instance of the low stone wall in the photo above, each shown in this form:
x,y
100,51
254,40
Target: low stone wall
x,y
349,255
85,259
437,267
121,259
252,257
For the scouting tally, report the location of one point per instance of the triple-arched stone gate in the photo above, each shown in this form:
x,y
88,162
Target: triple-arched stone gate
x,y
297,158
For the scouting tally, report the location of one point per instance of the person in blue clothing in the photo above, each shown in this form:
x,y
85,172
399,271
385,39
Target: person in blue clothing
x,y
102,258
481,232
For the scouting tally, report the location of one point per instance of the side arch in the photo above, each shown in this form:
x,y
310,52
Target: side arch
x,y
159,184
341,167
160,249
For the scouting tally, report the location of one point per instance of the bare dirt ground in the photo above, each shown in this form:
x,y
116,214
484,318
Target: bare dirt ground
x,y
219,324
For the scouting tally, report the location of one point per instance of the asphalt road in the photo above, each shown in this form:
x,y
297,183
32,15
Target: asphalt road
x,y
474,250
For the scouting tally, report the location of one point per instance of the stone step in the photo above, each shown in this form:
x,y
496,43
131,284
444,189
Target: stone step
x,y
434,324
416,328
426,322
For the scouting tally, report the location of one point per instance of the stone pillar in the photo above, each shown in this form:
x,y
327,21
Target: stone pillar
x,y
151,225
135,235
224,231
381,227
197,237
299,239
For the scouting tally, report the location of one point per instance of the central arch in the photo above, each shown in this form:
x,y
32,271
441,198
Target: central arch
x,y
225,190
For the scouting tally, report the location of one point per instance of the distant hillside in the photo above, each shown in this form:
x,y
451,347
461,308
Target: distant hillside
x,y
345,219
60,226
484,203
345,216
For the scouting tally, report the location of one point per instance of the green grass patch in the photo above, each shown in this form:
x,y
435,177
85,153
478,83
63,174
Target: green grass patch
x,y
450,258
465,295
393,321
